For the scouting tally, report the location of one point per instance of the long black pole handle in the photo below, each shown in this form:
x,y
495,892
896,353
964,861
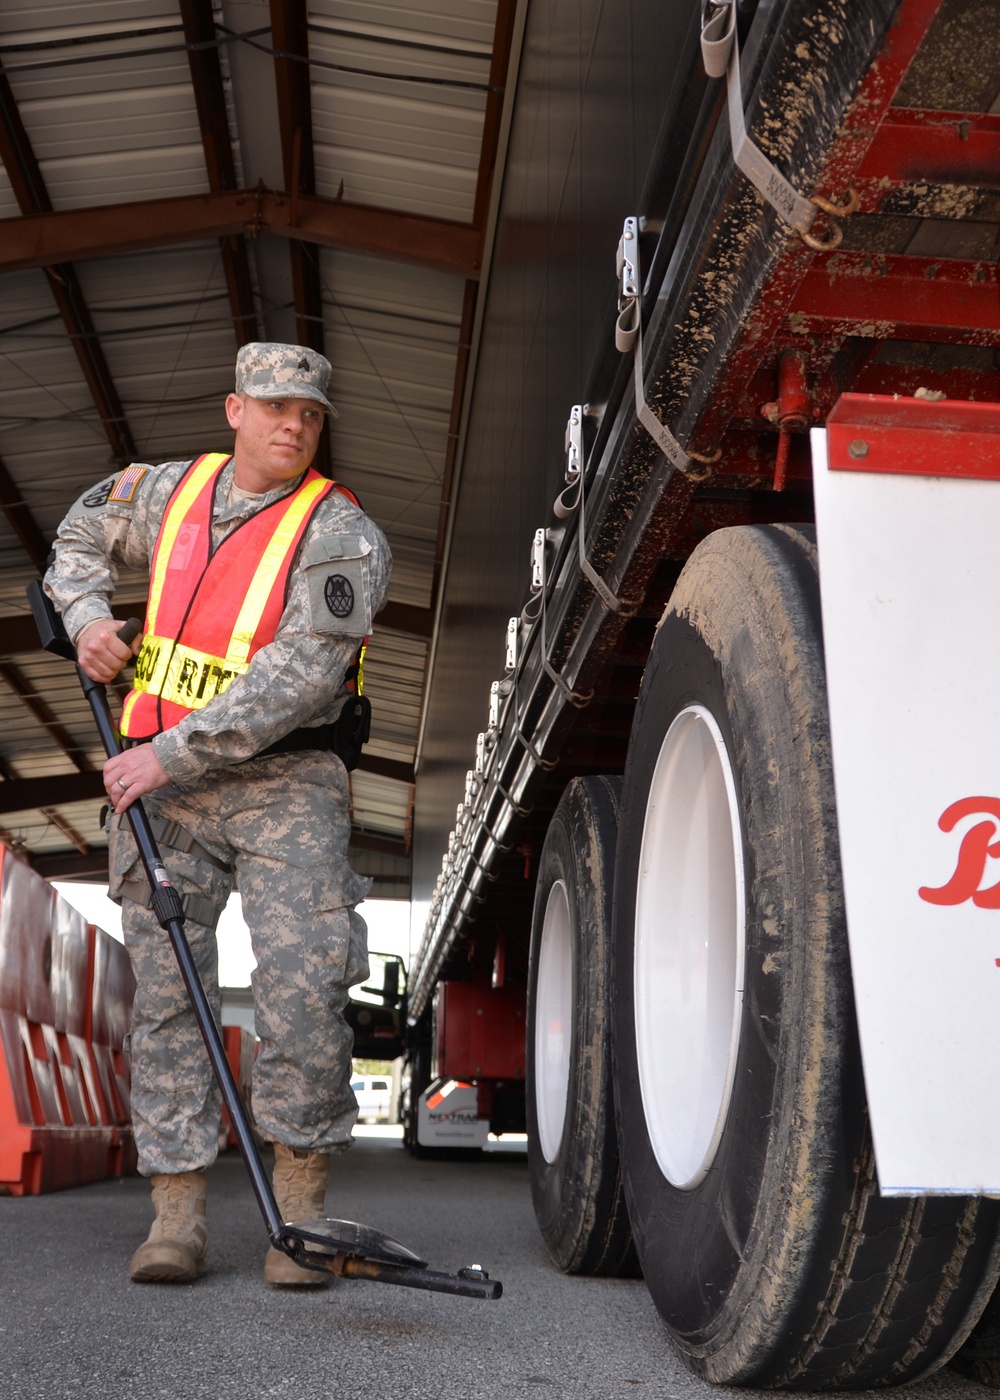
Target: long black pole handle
x,y
166,904
168,909
130,631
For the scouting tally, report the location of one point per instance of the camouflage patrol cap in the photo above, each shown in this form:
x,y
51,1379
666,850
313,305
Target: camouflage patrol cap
x,y
266,369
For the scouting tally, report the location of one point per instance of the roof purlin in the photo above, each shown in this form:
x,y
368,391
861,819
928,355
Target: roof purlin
x,y
29,189
290,33
210,103
21,520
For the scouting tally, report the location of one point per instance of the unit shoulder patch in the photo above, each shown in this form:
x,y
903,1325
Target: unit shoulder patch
x,y
98,497
337,577
339,595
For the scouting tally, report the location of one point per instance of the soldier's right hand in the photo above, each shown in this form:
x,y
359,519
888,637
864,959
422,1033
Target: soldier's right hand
x,y
100,653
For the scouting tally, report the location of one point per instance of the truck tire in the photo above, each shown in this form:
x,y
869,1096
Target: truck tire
x,y
572,1150
979,1358
747,1165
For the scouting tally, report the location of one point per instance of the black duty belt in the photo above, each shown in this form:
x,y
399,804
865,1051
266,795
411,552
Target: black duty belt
x,y
301,741
344,737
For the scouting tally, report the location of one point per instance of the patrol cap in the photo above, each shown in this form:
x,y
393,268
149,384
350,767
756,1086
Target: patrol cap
x,y
266,369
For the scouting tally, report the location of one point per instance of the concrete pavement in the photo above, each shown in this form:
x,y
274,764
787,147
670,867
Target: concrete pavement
x,y
72,1326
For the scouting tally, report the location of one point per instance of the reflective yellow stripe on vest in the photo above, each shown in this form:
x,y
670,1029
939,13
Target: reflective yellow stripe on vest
x,y
267,571
172,524
182,675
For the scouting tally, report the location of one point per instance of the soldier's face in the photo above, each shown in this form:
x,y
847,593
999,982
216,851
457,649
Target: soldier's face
x,y
276,439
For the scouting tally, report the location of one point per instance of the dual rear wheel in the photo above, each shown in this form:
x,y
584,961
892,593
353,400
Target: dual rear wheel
x,y
572,1148
742,1148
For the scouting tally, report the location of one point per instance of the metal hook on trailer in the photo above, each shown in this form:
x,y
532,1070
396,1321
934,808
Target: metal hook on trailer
x,y
339,1247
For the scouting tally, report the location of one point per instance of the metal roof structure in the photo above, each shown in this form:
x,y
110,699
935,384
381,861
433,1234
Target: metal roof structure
x,y
180,177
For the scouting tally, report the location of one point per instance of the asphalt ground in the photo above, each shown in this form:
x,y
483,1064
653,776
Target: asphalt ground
x,y
73,1327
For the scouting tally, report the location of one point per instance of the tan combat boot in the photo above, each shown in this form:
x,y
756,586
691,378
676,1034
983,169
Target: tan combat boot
x,y
300,1190
175,1249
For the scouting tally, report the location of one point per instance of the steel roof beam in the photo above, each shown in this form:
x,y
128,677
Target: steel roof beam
x,y
397,617
33,702
18,635
500,62
503,39
386,768
28,185
56,819
210,101
65,865
380,845
67,828
290,34
45,240
24,525
31,794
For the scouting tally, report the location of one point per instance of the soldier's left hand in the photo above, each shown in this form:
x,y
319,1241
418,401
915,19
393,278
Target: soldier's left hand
x,y
130,774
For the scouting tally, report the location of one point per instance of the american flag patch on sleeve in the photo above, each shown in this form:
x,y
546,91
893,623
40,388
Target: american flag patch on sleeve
x,y
124,487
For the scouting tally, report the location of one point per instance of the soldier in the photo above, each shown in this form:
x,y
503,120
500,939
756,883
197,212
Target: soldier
x,y
264,578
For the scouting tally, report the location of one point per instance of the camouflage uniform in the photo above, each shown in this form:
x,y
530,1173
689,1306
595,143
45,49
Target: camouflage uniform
x,y
280,823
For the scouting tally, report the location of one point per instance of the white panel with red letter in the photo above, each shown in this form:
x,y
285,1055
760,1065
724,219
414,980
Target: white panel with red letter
x,y
908,521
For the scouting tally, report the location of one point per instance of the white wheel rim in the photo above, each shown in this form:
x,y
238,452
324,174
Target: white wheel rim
x,y
690,923
553,1021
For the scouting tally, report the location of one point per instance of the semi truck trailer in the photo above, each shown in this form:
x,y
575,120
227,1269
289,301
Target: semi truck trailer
x,y
707,799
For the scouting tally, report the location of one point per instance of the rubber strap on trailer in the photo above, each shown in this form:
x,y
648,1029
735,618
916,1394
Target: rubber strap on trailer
x,y
628,337
574,498
539,587
514,806
566,503
720,52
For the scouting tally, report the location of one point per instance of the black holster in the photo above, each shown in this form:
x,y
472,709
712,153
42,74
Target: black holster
x,y
345,737
351,730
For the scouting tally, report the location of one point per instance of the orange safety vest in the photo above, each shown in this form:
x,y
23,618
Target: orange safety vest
x,y
210,610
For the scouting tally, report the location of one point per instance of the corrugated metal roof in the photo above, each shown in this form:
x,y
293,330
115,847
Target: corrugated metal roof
x,y
109,118
392,335
113,100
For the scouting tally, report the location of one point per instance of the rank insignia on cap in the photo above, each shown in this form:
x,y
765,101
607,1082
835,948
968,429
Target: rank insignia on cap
x,y
125,487
269,369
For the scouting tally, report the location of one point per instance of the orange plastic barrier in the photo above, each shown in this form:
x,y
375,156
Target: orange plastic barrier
x,y
59,1123
112,987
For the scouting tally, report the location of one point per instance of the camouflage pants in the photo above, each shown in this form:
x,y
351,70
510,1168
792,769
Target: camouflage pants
x,y
279,826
